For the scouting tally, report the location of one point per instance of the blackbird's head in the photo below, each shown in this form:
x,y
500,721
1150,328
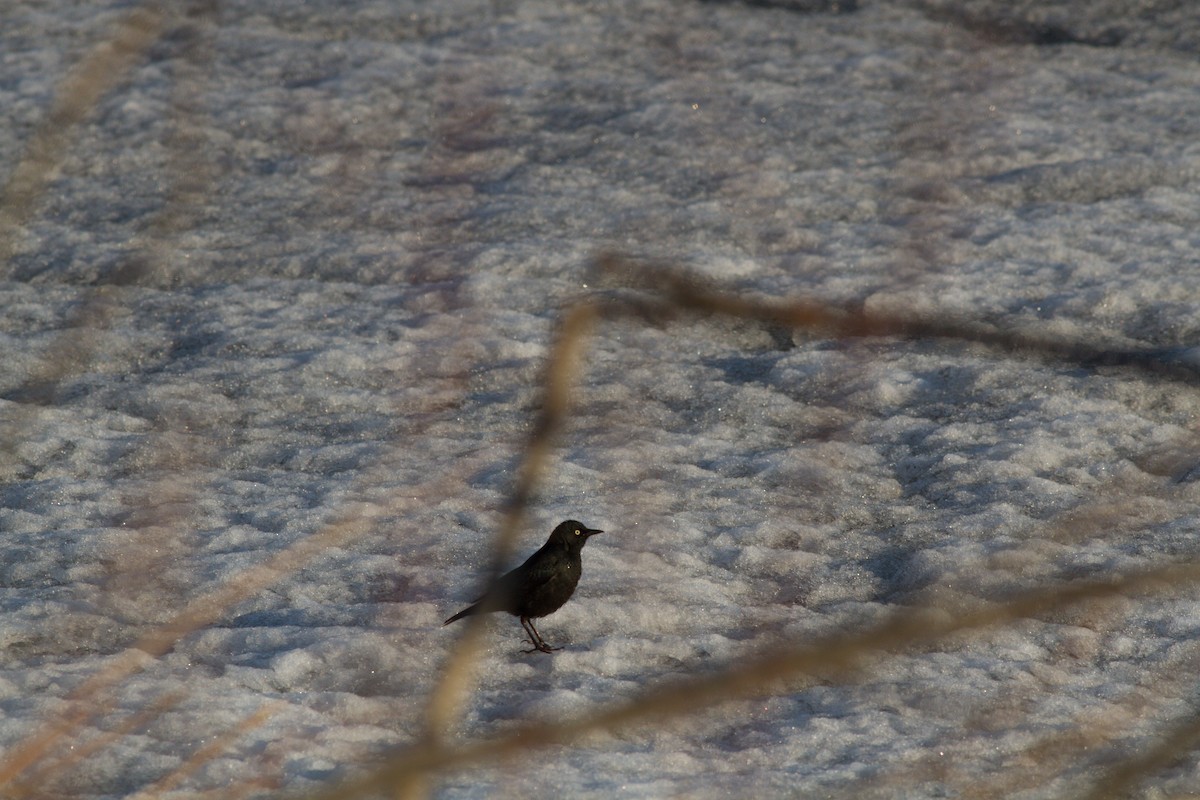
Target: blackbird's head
x,y
573,534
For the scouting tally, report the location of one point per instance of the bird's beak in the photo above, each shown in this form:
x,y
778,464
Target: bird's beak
x,y
591,532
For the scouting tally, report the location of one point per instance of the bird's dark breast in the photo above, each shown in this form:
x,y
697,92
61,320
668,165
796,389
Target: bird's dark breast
x,y
549,596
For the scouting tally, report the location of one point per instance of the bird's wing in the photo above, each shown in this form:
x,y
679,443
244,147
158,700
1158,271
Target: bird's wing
x,y
528,576
510,585
537,571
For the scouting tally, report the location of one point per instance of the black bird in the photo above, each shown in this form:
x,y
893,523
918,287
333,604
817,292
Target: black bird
x,y
541,585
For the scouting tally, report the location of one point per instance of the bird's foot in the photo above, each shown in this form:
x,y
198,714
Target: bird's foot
x,y
541,647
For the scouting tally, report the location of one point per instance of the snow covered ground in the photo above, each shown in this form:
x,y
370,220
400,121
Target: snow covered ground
x,y
296,275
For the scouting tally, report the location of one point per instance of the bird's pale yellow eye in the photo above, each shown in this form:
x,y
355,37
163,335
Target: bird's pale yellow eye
x,y
577,531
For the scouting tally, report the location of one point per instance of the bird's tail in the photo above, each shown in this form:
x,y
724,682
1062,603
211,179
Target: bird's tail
x,y
466,612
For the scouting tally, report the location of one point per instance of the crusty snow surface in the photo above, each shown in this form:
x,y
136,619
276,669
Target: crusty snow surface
x,y
301,266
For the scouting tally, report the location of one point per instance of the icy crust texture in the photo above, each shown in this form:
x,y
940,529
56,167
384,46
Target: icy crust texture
x,y
304,262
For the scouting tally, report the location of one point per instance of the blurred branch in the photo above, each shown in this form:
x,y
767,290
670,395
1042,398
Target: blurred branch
x,y
201,612
839,654
448,697
98,72
1123,777
680,293
211,750
51,770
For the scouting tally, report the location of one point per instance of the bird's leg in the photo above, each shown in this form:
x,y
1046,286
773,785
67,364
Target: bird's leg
x,y
535,638
539,644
